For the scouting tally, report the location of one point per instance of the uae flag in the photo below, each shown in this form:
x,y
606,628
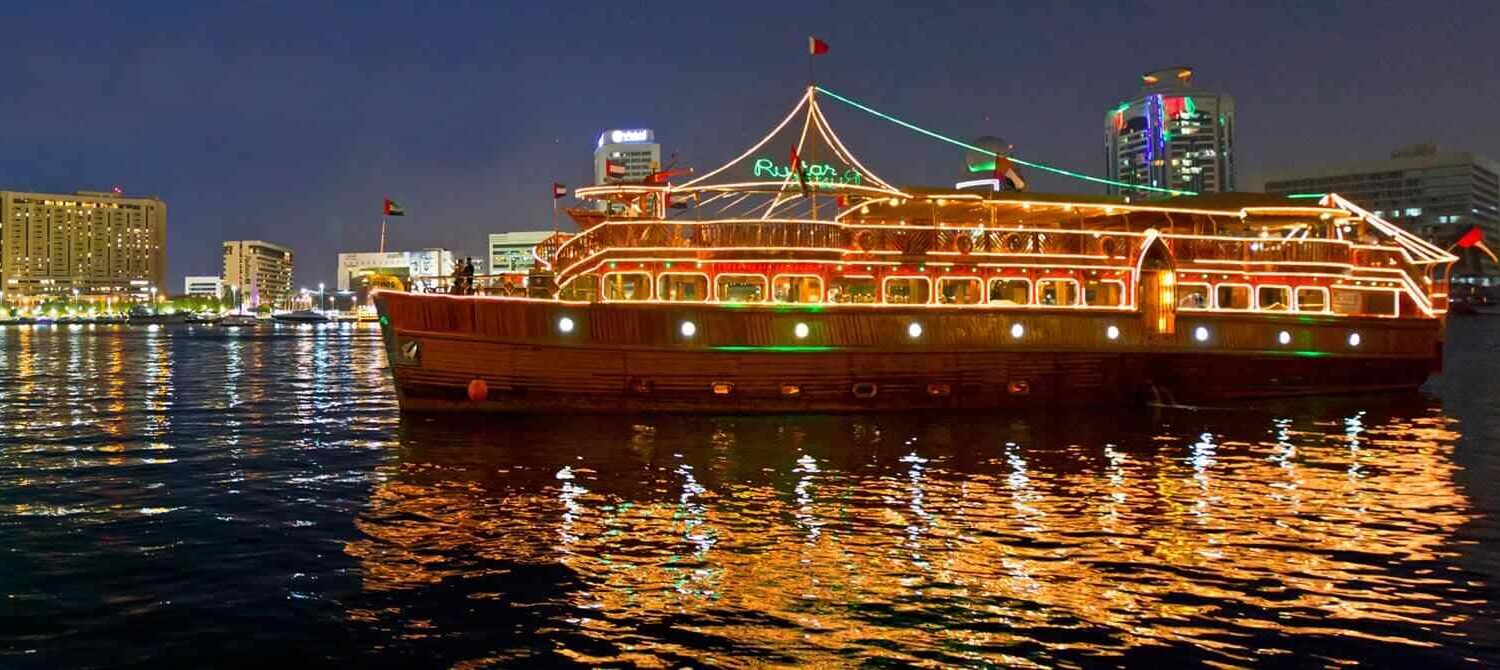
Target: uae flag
x,y
393,209
1474,239
614,170
1006,173
558,190
816,47
797,168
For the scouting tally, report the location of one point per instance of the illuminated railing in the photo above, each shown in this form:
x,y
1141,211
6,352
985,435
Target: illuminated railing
x,y
918,241
510,284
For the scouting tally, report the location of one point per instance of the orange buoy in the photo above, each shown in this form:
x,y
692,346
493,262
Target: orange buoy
x,y
478,390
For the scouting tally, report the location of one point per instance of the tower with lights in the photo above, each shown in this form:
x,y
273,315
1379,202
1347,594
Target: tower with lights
x,y
1171,136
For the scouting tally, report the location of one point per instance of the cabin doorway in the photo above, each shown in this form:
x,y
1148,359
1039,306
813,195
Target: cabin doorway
x,y
1157,290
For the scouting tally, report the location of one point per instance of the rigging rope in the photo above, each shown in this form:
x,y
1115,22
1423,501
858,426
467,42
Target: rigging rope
x,y
987,152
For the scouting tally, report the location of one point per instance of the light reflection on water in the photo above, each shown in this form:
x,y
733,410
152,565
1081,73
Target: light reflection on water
x,y
166,492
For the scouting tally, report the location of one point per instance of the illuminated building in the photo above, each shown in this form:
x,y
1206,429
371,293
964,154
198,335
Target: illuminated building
x,y
512,252
260,273
357,270
93,243
1437,195
809,283
202,285
634,148
1171,136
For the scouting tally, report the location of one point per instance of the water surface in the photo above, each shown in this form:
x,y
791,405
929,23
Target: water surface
x,y
191,496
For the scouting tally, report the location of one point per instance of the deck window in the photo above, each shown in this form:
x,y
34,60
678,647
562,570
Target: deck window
x,y
1273,298
907,290
1010,291
582,287
1232,296
740,288
798,288
1312,299
959,291
1104,293
854,289
682,286
1057,292
1365,303
627,286
1192,296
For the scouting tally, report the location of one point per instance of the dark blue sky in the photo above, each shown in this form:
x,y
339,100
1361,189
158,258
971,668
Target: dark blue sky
x,y
290,122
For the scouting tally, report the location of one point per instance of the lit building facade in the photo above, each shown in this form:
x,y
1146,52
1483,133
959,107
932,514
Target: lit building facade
x,y
357,269
99,244
258,273
1172,136
1437,195
202,285
634,148
511,252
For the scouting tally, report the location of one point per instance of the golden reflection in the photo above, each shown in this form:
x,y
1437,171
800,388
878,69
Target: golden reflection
x,y
894,535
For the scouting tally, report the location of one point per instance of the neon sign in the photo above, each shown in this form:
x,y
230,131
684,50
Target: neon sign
x,y
817,173
625,136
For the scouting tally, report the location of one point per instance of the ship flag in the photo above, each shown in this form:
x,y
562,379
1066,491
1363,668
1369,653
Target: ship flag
x,y
816,47
1474,239
797,168
559,190
1005,173
393,209
613,169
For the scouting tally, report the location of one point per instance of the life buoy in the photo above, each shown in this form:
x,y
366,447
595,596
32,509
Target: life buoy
x,y
964,244
1013,243
1109,246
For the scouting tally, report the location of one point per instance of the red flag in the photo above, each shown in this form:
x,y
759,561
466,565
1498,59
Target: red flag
x,y
816,47
797,168
613,169
1471,238
558,190
393,209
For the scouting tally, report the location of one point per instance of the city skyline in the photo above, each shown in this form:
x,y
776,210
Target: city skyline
x,y
293,126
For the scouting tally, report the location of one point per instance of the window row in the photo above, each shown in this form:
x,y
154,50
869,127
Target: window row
x,y
861,289
1193,295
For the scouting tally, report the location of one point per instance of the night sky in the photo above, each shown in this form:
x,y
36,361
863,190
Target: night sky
x,y
290,123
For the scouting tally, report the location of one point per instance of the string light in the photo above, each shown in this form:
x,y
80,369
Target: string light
x,y
987,152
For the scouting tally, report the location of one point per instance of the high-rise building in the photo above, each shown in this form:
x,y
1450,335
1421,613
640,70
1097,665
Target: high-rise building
x,y
258,273
635,149
202,285
511,252
357,270
98,244
1171,136
1435,194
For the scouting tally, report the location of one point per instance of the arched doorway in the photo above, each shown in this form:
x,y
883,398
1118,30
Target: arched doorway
x,y
1156,293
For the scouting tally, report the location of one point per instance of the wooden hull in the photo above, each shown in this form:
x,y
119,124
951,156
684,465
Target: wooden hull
x,y
635,358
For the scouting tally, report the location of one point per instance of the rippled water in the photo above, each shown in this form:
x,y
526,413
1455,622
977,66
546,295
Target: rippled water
x,y
190,496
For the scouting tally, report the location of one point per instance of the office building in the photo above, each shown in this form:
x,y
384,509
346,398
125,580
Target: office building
x,y
635,149
1435,194
512,252
258,273
1171,136
96,244
362,271
202,285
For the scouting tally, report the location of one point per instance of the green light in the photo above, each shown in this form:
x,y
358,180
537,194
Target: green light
x,y
1188,106
1305,196
783,348
987,152
384,321
1121,109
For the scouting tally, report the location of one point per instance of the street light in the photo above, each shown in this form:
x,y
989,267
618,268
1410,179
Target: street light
x,y
320,297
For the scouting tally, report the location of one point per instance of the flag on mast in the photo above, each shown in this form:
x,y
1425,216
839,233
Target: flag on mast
x,y
559,190
816,47
799,171
1474,239
393,209
613,169
1005,173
